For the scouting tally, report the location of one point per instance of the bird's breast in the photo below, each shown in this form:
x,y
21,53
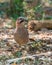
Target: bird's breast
x,y
21,36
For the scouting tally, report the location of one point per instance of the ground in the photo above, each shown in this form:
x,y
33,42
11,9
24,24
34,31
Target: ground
x,y
39,50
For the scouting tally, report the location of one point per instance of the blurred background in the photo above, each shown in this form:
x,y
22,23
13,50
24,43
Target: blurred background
x,y
32,9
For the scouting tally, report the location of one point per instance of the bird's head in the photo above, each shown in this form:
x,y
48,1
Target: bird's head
x,y
20,21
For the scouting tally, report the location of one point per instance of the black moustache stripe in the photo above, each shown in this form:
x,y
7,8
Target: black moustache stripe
x,y
21,21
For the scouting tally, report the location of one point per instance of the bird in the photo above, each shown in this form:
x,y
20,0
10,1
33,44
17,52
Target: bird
x,y
21,35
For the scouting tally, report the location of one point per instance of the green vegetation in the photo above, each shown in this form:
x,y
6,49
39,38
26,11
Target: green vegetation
x,y
18,8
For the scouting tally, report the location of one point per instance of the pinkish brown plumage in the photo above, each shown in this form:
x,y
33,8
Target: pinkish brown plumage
x,y
21,35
